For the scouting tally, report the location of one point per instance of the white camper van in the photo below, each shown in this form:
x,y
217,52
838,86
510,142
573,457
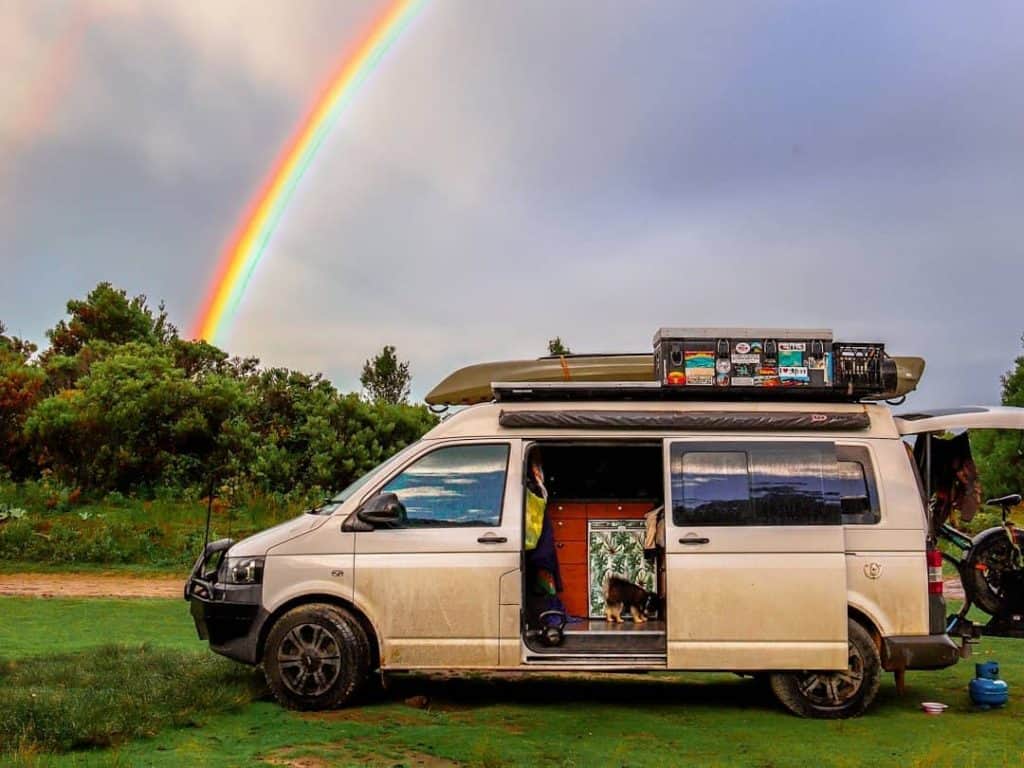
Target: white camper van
x,y
609,526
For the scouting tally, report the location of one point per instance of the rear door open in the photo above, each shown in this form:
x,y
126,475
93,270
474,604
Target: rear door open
x,y
937,424
969,417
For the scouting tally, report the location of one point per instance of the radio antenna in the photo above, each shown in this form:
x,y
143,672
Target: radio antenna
x,y
209,511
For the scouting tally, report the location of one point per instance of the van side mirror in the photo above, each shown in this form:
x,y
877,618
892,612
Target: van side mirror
x,y
382,511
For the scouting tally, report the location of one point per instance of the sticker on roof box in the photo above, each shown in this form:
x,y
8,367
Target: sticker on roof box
x,y
700,368
790,358
746,359
797,373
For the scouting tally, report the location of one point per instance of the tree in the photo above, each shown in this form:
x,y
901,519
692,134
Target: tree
x,y
136,420
107,314
120,402
97,325
12,344
385,379
21,386
999,454
556,347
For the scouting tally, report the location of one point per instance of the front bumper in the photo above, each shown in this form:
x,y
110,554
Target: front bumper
x,y
919,652
228,616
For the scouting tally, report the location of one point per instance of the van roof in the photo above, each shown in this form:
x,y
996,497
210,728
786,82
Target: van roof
x,y
483,420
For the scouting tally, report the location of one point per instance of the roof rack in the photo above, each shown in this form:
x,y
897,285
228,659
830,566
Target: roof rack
x,y
698,363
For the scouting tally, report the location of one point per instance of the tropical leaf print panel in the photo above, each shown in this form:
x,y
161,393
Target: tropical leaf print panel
x,y
616,548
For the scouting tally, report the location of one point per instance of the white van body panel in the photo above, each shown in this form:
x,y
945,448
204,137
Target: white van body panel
x,y
260,543
287,577
886,569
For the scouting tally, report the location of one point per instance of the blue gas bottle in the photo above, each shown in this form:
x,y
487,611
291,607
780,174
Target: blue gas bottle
x,y
987,690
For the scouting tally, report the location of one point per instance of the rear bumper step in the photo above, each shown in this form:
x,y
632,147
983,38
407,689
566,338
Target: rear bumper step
x,y
919,652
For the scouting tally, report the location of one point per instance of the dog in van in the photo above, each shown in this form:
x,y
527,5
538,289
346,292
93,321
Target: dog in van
x,y
622,595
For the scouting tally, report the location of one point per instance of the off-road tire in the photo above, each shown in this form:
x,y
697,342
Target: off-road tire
x,y
990,545
316,638
805,693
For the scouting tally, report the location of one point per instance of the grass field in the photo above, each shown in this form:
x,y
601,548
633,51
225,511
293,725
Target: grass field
x,y
635,720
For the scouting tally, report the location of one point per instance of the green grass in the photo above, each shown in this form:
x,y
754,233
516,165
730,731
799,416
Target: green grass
x,y
635,720
36,627
109,694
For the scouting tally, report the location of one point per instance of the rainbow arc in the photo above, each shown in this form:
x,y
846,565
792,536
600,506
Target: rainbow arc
x,y
246,247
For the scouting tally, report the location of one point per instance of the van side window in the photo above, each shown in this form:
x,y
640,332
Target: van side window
x,y
858,492
715,486
756,483
461,485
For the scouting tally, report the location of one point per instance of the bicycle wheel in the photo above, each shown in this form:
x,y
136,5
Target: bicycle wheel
x,y
991,574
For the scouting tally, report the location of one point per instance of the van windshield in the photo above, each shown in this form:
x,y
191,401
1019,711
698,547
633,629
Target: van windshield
x,y
346,493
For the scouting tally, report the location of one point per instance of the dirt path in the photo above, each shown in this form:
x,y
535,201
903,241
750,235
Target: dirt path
x,y
88,585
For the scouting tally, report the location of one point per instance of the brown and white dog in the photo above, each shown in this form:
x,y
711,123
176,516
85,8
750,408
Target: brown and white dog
x,y
620,595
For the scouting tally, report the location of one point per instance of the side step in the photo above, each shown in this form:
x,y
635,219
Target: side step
x,y
620,661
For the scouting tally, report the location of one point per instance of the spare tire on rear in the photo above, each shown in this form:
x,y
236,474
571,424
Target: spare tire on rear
x,y
991,579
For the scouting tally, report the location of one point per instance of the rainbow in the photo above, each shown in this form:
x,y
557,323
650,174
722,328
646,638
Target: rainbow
x,y
246,247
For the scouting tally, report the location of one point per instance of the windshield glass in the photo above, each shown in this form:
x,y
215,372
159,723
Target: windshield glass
x,y
329,506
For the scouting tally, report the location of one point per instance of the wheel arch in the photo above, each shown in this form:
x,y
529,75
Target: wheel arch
x,y
867,621
323,597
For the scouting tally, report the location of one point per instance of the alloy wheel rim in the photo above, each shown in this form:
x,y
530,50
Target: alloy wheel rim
x,y
833,689
309,658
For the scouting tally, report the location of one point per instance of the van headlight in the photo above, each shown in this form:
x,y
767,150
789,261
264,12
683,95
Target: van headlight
x,y
244,570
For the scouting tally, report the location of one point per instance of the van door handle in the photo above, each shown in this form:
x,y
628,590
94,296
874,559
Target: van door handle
x,y
490,538
695,540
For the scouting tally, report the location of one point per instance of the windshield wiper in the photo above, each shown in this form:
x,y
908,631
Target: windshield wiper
x,y
316,510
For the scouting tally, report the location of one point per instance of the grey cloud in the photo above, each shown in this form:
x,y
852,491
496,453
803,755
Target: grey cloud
x,y
515,171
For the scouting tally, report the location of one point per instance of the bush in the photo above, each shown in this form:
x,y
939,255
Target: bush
x,y
119,405
107,695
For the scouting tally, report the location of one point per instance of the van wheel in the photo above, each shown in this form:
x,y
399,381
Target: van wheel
x,y
834,694
316,657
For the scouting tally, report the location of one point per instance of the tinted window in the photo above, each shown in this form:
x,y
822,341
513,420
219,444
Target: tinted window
x,y
713,485
855,481
790,484
754,484
457,486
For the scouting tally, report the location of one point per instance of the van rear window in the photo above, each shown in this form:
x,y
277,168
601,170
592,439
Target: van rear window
x,y
856,483
755,483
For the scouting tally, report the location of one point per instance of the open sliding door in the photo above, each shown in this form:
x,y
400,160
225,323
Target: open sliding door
x,y
755,553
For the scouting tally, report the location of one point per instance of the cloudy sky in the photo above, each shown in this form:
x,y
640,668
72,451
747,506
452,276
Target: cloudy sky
x,y
517,170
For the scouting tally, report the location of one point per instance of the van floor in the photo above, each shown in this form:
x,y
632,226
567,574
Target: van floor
x,y
600,636
625,627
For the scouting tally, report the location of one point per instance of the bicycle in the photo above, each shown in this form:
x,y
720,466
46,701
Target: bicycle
x,y
991,570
